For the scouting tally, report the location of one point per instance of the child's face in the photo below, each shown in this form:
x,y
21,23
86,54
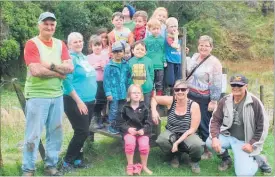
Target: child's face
x,y
128,53
139,22
117,22
161,16
125,12
139,51
97,49
135,94
172,28
155,30
104,39
118,55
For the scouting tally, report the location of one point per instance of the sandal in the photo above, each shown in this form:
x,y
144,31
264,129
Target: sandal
x,y
130,170
138,168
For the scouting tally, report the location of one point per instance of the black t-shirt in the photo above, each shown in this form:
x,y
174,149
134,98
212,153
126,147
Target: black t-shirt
x,y
237,128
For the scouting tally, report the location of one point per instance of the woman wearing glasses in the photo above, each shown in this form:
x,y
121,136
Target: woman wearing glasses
x,y
183,121
204,77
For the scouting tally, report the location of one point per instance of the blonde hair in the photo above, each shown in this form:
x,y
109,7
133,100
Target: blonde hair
x,y
180,82
207,39
153,22
171,20
157,10
130,90
141,13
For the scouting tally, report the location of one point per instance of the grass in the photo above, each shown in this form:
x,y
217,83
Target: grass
x,y
106,155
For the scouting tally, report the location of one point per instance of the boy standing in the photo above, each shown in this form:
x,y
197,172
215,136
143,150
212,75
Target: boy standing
x,y
140,17
128,12
115,82
155,51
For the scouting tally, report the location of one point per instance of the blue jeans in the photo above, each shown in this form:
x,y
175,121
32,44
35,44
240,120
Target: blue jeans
x,y
115,107
244,164
40,112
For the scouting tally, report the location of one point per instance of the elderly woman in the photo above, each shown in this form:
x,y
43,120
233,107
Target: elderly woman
x,y
80,88
204,77
182,122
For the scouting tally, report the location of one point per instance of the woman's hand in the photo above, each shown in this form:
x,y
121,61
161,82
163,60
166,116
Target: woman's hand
x,y
212,106
110,98
175,147
82,108
155,117
132,131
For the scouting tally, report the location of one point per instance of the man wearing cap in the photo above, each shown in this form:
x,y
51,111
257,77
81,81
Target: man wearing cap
x,y
239,123
48,61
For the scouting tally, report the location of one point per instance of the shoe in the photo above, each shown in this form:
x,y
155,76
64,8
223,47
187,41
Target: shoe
x,y
225,164
52,171
28,173
195,167
66,168
206,155
263,164
130,170
113,131
80,164
94,124
137,168
175,162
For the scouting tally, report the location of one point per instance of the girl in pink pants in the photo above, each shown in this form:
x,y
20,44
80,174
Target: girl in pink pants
x,y
135,123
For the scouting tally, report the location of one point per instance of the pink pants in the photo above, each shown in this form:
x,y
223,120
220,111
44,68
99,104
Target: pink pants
x,y
130,144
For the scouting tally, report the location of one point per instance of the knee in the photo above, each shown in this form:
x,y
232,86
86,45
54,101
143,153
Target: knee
x,y
144,149
196,148
130,148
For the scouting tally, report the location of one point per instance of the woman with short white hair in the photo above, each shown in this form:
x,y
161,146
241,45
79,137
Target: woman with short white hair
x,y
80,89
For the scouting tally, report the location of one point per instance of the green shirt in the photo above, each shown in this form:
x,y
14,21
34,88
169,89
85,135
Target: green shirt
x,y
131,25
155,50
142,73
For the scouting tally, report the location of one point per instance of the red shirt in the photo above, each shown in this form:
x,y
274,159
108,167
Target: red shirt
x,y
31,53
139,33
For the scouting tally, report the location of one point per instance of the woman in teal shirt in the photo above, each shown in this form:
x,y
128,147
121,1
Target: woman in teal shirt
x,y
79,97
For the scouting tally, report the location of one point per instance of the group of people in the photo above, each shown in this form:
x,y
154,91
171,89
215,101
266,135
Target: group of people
x,y
128,70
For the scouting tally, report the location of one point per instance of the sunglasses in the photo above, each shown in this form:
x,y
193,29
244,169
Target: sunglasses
x,y
180,89
117,51
236,85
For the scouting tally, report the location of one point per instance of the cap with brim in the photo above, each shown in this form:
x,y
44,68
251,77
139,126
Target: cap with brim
x,y
117,46
46,15
238,79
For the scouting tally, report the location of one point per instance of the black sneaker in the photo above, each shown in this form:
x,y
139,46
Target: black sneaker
x,y
52,171
195,167
225,164
262,163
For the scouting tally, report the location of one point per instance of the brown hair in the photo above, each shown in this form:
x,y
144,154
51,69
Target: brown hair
x,y
141,13
94,40
117,14
130,89
139,42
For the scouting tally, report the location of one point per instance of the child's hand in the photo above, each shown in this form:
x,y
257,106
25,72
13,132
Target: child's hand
x,y
186,50
109,98
165,64
132,131
141,132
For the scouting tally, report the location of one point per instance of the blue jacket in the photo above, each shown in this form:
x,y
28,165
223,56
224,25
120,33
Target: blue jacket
x,y
82,80
116,79
171,54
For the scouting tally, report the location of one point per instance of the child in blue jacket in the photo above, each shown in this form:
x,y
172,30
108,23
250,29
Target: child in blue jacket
x,y
116,82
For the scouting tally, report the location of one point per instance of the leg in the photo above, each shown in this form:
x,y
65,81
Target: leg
x,y
159,81
244,164
36,113
144,148
170,76
129,147
163,142
178,72
147,99
54,133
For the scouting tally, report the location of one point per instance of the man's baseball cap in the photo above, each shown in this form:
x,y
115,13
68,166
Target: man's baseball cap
x,y
238,79
117,46
46,15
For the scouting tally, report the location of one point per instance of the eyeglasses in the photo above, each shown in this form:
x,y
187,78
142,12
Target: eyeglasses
x,y
206,46
136,93
180,89
236,85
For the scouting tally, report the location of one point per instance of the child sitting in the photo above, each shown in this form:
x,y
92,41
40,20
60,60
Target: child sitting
x,y
115,82
155,51
140,17
136,125
98,60
142,70
128,12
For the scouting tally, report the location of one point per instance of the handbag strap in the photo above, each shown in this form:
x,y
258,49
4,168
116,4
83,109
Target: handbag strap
x,y
197,67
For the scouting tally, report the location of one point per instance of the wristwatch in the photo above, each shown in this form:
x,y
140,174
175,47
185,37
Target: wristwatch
x,y
52,67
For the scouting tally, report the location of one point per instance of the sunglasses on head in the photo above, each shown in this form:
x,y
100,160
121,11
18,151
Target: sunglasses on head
x,y
180,89
236,85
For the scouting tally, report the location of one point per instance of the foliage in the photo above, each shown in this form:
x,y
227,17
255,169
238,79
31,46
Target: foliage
x,y
9,50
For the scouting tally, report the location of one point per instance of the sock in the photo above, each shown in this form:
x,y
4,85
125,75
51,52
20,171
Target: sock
x,y
77,162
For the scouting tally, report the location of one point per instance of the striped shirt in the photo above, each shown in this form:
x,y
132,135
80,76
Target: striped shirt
x,y
176,123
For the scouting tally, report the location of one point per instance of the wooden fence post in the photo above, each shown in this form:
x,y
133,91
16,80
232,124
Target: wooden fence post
x,y
262,93
183,53
224,82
